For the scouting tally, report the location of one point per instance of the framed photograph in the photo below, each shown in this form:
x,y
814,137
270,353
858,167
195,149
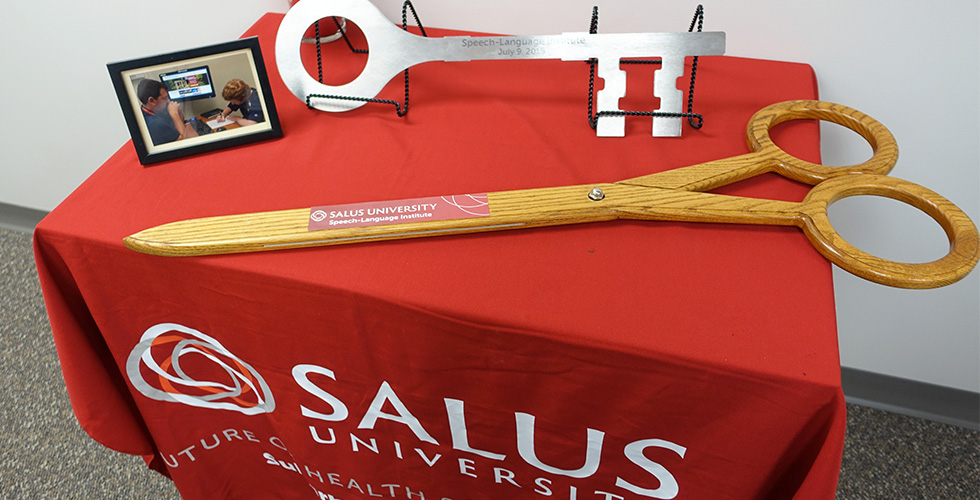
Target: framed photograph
x,y
196,100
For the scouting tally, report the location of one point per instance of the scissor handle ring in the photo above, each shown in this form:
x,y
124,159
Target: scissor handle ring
x,y
963,237
881,140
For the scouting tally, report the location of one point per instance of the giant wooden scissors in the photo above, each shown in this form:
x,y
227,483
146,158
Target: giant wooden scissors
x,y
674,195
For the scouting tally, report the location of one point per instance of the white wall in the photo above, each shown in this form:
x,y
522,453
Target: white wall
x,y
914,66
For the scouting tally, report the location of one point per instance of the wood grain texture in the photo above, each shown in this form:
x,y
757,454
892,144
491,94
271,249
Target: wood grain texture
x,y
766,156
668,196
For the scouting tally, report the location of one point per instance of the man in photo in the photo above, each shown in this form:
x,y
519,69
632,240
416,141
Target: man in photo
x,y
164,118
241,97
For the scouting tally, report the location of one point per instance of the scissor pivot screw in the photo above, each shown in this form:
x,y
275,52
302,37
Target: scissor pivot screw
x,y
596,194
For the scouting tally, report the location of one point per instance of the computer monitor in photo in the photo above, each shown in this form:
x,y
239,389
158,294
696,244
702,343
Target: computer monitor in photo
x,y
189,84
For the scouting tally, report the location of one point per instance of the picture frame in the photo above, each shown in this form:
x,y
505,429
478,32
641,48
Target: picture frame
x,y
197,81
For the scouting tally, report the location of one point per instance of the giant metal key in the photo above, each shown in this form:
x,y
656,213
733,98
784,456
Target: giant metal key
x,y
392,50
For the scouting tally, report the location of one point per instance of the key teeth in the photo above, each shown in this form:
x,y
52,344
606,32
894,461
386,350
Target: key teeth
x,y
667,126
611,126
671,98
614,89
664,88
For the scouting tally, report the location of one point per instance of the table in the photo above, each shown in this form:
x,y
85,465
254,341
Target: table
x,y
611,360
230,126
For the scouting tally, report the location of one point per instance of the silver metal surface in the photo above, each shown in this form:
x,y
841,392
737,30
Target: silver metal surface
x,y
392,50
331,37
596,194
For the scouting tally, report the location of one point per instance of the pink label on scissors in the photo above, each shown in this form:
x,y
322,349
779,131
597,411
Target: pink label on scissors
x,y
378,213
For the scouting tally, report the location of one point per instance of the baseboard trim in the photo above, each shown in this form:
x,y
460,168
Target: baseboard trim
x,y
909,397
20,219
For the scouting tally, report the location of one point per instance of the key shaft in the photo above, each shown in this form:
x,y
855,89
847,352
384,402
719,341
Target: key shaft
x,y
576,46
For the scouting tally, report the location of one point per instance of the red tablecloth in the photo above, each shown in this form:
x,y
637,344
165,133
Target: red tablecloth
x,y
610,360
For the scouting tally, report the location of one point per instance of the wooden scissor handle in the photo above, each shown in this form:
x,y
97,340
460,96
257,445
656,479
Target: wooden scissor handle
x,y
881,140
963,237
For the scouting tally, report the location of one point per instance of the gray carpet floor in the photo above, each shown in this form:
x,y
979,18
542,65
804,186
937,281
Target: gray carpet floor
x,y
46,455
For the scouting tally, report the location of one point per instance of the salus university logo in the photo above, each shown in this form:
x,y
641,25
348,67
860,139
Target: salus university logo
x,y
175,363
179,364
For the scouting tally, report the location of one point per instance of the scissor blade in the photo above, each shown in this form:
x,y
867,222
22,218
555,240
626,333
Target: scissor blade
x,y
704,176
354,223
167,241
419,217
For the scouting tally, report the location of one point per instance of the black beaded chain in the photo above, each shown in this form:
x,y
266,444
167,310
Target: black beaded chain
x,y
690,114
